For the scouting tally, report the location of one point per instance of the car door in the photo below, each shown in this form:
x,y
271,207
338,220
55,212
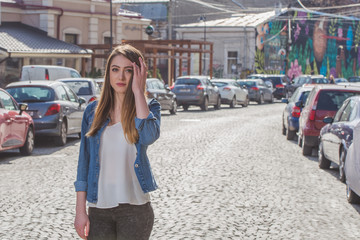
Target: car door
x,y
162,94
330,136
76,110
211,91
240,93
12,125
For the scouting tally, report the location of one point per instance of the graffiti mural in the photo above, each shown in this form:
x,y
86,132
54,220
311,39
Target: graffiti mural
x,y
320,44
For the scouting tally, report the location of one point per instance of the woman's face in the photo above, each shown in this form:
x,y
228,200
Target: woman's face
x,y
121,71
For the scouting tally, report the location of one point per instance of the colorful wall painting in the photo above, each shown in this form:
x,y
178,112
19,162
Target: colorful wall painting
x,y
320,44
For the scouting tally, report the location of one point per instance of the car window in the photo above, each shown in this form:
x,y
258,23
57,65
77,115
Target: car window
x,y
60,91
332,100
32,94
187,81
354,112
74,74
304,96
81,88
160,85
310,97
149,85
296,96
345,116
71,94
219,84
7,102
247,83
354,79
319,80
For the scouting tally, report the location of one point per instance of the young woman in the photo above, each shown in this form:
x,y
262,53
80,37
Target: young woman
x,y
114,174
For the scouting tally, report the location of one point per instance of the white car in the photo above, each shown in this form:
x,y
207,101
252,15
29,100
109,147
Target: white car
x,y
83,87
231,92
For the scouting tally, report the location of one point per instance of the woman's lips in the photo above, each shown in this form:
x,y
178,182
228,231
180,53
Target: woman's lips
x,y
120,84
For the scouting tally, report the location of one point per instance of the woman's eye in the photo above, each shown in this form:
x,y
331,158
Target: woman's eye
x,y
114,70
129,70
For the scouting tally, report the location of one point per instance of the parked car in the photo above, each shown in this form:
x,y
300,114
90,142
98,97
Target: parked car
x,y
323,101
259,91
304,79
354,79
291,113
155,88
83,87
100,82
198,91
341,80
337,135
17,127
231,92
278,81
352,168
56,110
47,72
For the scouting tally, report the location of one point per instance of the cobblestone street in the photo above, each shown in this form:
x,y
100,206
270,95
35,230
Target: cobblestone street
x,y
227,174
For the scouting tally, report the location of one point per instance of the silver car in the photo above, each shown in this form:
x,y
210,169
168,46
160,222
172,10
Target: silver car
x,y
231,92
83,87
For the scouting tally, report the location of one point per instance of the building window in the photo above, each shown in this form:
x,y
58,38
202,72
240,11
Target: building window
x,y
71,38
107,40
232,62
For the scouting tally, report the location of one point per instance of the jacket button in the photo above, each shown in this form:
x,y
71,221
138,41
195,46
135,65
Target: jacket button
x,y
136,165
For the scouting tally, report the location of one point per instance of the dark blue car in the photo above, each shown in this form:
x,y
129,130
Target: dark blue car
x,y
291,113
337,135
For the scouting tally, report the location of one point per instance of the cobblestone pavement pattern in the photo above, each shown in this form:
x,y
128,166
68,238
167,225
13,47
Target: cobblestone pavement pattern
x,y
226,174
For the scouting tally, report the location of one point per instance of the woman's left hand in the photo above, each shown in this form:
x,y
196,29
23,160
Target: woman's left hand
x,y
139,76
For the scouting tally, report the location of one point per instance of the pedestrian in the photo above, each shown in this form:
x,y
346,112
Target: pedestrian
x,y
114,175
331,79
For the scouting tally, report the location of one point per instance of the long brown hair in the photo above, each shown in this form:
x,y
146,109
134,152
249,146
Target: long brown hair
x,y
107,98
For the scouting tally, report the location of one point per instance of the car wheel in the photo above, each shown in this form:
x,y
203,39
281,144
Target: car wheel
x,y
246,102
290,134
29,143
61,140
185,107
342,176
283,129
233,102
261,100
205,105
306,150
351,196
174,108
218,104
324,163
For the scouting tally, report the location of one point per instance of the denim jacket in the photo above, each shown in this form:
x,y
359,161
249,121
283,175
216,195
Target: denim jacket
x,y
89,165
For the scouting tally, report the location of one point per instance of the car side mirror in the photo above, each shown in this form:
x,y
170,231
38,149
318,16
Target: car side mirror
x,y
299,104
23,107
285,100
328,120
82,100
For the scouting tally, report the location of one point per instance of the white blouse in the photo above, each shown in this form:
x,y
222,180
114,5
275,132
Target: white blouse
x,y
117,180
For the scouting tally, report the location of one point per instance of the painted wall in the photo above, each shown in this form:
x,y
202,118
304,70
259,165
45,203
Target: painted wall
x,y
319,45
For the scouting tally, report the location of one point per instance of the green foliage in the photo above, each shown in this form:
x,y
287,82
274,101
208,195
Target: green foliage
x,y
94,73
272,72
259,61
357,33
316,71
276,27
157,74
332,27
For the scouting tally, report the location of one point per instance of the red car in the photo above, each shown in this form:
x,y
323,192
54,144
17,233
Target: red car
x,y
16,126
323,101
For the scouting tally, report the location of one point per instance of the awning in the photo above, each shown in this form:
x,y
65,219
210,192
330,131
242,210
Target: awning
x,y
20,40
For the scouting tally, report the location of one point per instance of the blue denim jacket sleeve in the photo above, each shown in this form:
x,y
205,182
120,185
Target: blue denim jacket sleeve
x,y
84,158
149,128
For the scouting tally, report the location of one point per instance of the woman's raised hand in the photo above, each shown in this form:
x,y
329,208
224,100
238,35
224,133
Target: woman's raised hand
x,y
139,76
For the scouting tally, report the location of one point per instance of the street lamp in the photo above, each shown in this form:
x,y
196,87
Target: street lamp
x,y
203,18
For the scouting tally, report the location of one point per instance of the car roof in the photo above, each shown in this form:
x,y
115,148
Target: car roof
x,y
194,76
47,83
267,75
251,80
75,79
223,80
336,87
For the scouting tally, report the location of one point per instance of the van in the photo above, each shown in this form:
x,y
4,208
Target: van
x,y
47,72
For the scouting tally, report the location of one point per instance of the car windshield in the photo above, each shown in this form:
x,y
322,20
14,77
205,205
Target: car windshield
x,y
247,83
220,84
187,81
32,94
319,80
81,88
332,100
274,80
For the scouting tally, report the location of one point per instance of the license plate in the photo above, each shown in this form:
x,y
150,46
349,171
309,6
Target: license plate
x,y
184,90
